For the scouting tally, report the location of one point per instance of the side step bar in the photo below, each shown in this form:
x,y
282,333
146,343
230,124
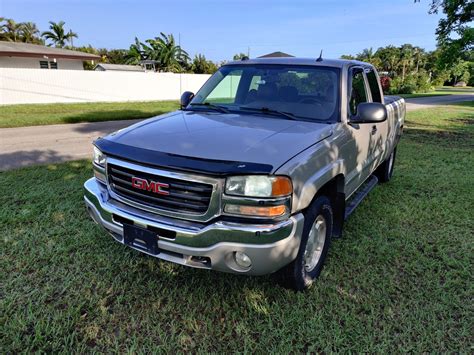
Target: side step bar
x,y
360,194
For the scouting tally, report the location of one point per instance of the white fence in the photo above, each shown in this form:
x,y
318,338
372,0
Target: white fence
x,y
21,86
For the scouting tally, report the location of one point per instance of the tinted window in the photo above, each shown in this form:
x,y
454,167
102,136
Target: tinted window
x,y
374,86
308,92
358,93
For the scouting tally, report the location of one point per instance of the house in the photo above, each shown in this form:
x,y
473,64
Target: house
x,y
34,56
118,67
276,55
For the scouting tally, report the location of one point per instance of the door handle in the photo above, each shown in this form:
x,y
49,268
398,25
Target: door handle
x,y
374,129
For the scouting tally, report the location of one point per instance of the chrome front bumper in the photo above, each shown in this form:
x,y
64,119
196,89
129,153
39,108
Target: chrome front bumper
x,y
208,246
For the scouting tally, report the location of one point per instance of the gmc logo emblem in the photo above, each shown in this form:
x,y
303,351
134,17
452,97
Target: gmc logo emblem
x,y
153,186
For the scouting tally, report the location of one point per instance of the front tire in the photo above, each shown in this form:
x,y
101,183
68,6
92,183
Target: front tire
x,y
314,247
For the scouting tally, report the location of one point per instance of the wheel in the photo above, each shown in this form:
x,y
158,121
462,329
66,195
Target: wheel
x,y
385,171
314,246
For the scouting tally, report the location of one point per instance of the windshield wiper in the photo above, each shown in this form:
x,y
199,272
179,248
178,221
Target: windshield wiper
x,y
211,106
270,111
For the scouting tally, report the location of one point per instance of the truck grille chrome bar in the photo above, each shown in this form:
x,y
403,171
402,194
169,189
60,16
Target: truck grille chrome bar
x,y
169,193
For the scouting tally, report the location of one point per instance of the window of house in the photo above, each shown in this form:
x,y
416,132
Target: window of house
x,y
44,64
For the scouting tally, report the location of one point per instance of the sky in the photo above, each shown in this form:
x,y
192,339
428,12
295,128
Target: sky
x,y
220,29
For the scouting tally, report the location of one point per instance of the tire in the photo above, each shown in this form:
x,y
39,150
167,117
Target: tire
x,y
385,171
301,273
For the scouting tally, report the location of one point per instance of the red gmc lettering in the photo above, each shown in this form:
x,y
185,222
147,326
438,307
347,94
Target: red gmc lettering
x,y
156,187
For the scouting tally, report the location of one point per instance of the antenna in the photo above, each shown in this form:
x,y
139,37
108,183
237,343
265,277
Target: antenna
x,y
320,59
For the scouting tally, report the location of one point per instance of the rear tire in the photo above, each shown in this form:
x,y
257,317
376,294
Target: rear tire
x,y
385,171
314,246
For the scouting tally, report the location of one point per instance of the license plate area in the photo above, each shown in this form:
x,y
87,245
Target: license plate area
x,y
140,238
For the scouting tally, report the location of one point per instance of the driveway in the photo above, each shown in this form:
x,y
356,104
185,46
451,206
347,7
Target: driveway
x,y
20,147
430,101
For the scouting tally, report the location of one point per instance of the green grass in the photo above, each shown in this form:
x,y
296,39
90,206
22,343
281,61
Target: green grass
x,y
399,280
46,114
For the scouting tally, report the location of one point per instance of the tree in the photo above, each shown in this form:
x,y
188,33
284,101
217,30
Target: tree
x,y
239,56
10,30
348,57
454,33
389,58
29,33
201,65
135,53
114,56
406,58
58,34
460,71
169,55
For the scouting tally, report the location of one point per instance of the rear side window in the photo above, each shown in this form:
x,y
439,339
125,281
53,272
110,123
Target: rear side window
x,y
374,86
358,93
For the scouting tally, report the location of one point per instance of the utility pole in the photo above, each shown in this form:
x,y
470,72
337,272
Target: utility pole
x,y
181,71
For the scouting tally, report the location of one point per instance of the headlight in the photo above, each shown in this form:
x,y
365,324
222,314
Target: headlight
x,y
258,186
99,157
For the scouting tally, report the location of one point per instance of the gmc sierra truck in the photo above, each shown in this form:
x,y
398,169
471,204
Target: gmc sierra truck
x,y
255,173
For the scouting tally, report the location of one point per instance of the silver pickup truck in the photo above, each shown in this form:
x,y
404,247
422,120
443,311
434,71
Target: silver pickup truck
x,y
257,171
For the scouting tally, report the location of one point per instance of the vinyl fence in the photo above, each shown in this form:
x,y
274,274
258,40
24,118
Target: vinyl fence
x,y
22,86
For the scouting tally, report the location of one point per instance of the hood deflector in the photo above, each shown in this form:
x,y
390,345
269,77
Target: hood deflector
x,y
162,160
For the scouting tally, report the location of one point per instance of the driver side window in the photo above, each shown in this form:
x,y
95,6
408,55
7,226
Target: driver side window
x,y
358,93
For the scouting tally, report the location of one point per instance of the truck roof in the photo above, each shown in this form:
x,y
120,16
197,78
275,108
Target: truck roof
x,y
337,63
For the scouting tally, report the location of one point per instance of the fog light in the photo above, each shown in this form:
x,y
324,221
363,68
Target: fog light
x,y
242,259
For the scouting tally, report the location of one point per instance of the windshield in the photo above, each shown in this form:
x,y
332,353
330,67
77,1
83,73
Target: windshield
x,y
304,92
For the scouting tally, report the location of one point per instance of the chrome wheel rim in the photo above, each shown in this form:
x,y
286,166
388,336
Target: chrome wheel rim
x,y
315,244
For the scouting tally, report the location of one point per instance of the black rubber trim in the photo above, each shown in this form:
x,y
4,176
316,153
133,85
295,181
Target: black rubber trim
x,y
178,162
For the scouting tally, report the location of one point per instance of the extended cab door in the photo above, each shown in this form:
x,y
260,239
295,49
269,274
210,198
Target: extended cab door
x,y
359,165
380,129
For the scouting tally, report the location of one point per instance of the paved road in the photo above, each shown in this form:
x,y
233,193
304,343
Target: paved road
x,y
26,146
430,101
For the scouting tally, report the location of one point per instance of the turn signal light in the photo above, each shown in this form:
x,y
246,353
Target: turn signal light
x,y
281,186
257,211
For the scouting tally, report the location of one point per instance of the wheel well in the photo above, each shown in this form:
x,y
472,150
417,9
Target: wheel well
x,y
334,190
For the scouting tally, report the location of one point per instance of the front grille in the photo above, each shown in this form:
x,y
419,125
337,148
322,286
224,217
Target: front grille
x,y
184,196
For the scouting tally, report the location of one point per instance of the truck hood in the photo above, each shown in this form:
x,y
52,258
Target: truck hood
x,y
246,138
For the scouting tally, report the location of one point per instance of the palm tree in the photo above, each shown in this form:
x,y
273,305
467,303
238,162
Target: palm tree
x,y
10,30
135,54
29,33
367,55
406,58
201,65
170,56
58,34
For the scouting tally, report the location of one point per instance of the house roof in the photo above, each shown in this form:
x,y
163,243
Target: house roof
x,y
18,49
276,55
119,67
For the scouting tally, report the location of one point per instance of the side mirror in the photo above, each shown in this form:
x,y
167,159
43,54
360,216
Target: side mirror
x,y
186,98
370,112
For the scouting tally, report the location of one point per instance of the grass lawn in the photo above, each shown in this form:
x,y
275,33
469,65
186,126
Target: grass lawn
x,y
399,280
46,114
